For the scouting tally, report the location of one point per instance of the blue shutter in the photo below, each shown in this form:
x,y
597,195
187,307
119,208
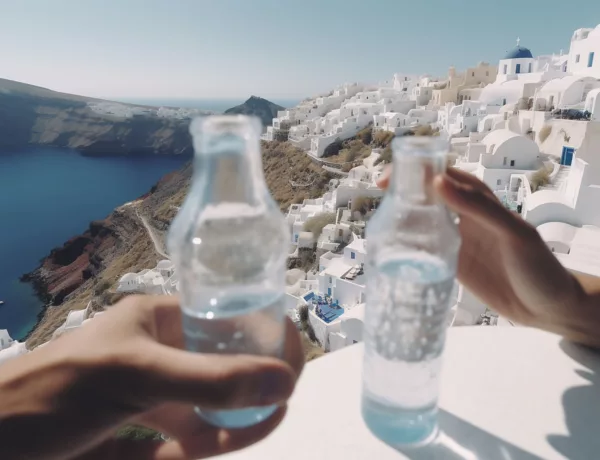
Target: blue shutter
x,y
591,60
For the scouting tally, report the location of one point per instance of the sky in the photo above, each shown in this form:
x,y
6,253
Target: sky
x,y
188,49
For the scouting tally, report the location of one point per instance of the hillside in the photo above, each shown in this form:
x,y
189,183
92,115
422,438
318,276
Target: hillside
x,y
88,265
34,115
258,106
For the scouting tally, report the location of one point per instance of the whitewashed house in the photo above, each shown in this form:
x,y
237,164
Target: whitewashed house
x,y
575,193
299,214
5,339
584,53
341,277
14,350
498,156
520,75
154,281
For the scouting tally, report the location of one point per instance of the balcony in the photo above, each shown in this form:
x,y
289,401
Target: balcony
x,y
507,394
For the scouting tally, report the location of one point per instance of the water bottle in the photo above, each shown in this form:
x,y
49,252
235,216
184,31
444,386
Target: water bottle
x,y
412,253
228,244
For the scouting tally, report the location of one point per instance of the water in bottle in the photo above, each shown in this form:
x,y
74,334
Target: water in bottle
x,y
228,244
412,247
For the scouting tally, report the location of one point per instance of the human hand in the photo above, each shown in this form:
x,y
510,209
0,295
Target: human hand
x,y
504,261
67,399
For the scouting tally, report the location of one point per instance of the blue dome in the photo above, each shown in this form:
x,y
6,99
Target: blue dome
x,y
519,52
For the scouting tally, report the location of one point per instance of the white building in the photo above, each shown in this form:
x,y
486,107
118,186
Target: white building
x,y
156,281
498,156
520,75
5,339
584,54
10,348
14,350
575,194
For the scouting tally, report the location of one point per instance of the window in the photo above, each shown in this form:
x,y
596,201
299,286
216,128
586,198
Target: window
x,y
472,74
499,182
591,60
330,280
487,73
340,232
505,69
518,69
512,162
296,238
504,101
505,161
353,255
577,59
530,67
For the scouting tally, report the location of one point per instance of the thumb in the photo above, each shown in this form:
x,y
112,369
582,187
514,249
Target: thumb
x,y
474,202
212,381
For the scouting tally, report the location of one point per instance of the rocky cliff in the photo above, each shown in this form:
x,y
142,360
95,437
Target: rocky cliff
x,y
263,109
87,267
34,115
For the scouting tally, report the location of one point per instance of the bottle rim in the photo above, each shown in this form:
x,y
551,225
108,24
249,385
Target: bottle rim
x,y
241,125
420,145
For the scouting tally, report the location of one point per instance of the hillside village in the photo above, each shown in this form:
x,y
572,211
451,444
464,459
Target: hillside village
x,y
528,126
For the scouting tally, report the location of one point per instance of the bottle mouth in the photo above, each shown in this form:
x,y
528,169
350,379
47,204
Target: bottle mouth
x,y
243,126
421,146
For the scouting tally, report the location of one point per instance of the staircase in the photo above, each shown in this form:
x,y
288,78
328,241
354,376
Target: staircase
x,y
560,181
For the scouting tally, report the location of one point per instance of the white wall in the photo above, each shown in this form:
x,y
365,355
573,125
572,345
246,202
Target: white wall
x,y
491,176
582,47
511,67
347,292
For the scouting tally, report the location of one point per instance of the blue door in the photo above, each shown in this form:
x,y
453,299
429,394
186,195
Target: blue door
x,y
518,68
329,292
567,156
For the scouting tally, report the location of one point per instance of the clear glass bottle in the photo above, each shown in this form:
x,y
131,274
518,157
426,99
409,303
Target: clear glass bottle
x,y
412,253
228,244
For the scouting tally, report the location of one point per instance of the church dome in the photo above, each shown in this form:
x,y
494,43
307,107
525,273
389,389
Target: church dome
x,y
519,52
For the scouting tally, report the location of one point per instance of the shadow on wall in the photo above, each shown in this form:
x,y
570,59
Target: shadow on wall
x,y
460,440
581,405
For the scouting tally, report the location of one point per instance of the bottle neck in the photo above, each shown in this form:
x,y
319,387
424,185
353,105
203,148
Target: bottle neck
x,y
227,163
417,161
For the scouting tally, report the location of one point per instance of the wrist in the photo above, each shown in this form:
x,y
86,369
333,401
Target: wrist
x,y
581,318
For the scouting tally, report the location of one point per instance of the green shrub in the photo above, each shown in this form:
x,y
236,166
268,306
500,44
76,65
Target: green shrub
x,y
540,178
382,138
362,204
317,223
545,132
426,130
365,135
386,156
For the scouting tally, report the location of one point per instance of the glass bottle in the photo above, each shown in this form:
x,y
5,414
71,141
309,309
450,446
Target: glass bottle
x,y
412,252
228,244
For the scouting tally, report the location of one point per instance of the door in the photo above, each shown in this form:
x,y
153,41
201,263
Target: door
x,y
567,156
329,292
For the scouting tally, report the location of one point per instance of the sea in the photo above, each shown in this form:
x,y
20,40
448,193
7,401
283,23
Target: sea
x,y
48,195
